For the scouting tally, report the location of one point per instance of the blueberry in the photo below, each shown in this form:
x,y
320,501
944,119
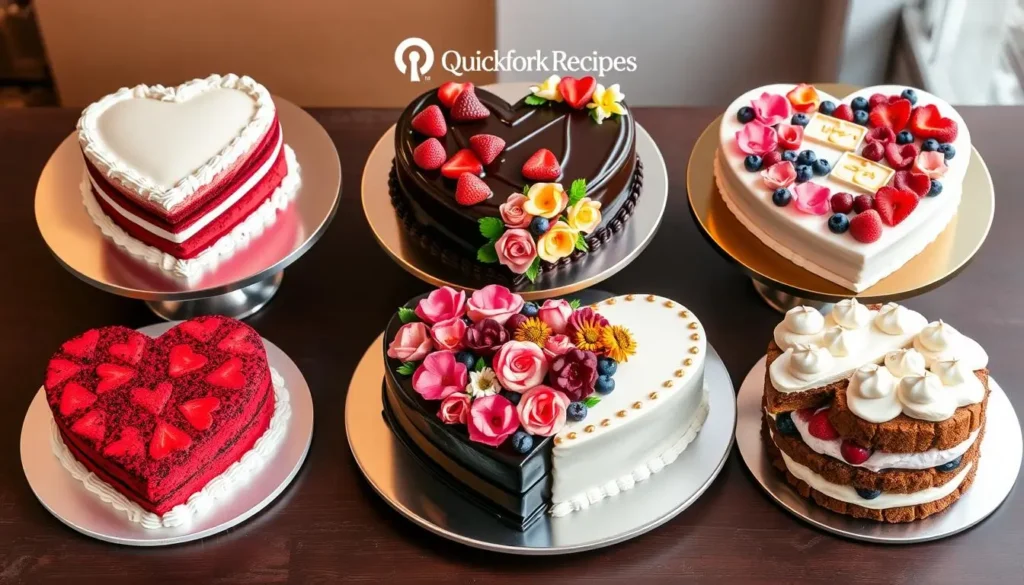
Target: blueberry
x,y
752,162
904,137
859,103
947,150
781,197
607,366
860,117
930,145
804,173
576,411
784,422
604,385
838,223
821,167
868,494
522,442
827,107
951,465
935,189
800,120
789,155
745,114
909,95
806,157
530,309
513,397
466,358
539,226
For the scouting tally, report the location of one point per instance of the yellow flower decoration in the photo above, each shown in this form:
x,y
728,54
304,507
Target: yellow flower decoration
x,y
618,343
558,242
533,330
585,215
605,102
548,89
545,200
588,335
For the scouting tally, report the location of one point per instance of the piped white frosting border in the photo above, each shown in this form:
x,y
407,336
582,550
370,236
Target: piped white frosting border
x,y
114,170
198,503
237,239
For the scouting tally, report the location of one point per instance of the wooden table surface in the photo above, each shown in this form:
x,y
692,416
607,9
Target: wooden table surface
x,y
330,526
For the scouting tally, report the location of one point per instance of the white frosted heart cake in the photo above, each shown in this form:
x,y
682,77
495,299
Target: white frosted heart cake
x,y
850,189
182,177
873,412
529,409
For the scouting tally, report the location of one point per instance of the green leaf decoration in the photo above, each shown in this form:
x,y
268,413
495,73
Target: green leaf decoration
x,y
581,243
533,270
535,100
577,191
487,254
526,189
491,227
574,304
479,365
407,315
591,401
407,368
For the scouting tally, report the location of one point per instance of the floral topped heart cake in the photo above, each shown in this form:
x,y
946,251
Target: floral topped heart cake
x,y
509,192
850,188
184,176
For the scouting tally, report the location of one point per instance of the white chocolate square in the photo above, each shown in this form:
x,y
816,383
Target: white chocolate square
x,y
861,173
835,133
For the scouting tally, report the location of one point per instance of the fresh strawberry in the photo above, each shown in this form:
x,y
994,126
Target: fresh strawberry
x,y
228,375
237,342
92,425
916,183
487,147
429,155
129,444
471,190
198,412
874,151
881,134
863,202
202,328
112,376
770,158
853,453
820,427
803,98
467,107
866,227
805,414
577,92
60,370
182,360
430,122
900,156
927,122
74,398
450,90
129,351
843,112
463,161
542,166
892,99
167,439
877,99
83,345
894,205
893,115
152,400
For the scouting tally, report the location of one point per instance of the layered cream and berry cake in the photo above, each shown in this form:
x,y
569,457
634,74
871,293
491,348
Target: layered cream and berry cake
x,y
850,189
161,429
183,177
526,409
873,412
509,192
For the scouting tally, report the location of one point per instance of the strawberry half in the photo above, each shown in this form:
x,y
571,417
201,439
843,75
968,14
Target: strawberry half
x,y
927,122
577,92
542,166
463,161
128,445
228,375
83,345
468,107
893,115
182,360
429,155
866,227
487,147
430,122
129,351
74,398
819,426
471,190
92,425
843,112
152,400
894,205
198,412
450,91
167,439
916,183
112,376
900,156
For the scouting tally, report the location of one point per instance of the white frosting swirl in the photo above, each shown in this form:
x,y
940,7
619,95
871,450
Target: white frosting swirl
x,y
949,372
905,362
893,319
804,320
871,395
924,398
841,342
850,314
959,381
807,361
938,336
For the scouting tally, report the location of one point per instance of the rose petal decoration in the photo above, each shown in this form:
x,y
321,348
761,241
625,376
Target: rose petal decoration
x,y
575,373
485,338
557,345
512,212
812,198
780,175
516,250
492,419
931,164
790,136
439,376
454,409
881,134
448,334
555,314
756,138
542,411
441,304
494,302
520,365
771,109
412,343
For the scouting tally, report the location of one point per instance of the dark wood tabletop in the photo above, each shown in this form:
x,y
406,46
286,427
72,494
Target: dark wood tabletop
x,y
330,526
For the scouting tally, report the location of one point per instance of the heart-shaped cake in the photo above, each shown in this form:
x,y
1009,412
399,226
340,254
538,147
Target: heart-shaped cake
x,y
522,187
158,419
184,176
850,189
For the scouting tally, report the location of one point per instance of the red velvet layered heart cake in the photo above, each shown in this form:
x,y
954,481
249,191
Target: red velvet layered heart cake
x,y
509,192
182,177
159,428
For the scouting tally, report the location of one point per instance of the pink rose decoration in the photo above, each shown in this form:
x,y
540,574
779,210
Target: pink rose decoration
x,y
756,138
454,409
780,175
790,136
441,305
513,214
555,313
771,109
812,198
932,164
516,250
492,419
557,345
542,411
448,334
439,376
411,344
494,302
520,365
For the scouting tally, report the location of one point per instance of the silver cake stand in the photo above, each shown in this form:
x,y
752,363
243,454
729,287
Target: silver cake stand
x,y
241,285
67,499
615,255
419,495
997,472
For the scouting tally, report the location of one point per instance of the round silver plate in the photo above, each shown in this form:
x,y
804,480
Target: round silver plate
x,y
419,495
997,472
66,498
238,287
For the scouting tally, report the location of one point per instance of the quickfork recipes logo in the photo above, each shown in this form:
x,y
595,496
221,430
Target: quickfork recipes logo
x,y
421,57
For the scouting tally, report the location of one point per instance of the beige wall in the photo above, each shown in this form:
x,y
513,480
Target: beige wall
x,y
312,52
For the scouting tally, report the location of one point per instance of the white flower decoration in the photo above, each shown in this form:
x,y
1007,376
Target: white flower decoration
x,y
483,383
548,89
606,102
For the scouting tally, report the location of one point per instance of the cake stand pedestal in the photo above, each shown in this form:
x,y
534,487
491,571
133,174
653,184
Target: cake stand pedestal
x,y
239,286
784,285
66,498
615,255
998,466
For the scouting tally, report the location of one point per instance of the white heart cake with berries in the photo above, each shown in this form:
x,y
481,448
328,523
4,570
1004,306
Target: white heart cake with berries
x,y
850,189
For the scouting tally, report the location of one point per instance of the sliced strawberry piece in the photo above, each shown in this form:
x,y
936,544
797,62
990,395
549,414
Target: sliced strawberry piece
x,y
183,360
237,342
820,427
854,453
881,134
75,397
893,115
153,400
202,328
430,122
429,155
467,108
805,414
83,345
463,161
471,190
198,412
894,205
228,375
900,156
129,444
866,227
59,370
916,183
450,90
577,92
167,439
843,112
927,122
92,425
803,98
487,147
112,376
874,151
130,351
542,166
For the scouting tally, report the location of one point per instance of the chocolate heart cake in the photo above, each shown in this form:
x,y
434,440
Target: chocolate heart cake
x,y
159,422
183,177
508,192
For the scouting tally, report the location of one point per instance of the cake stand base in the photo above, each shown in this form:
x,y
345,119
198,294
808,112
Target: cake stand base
x,y
782,301
997,472
237,304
